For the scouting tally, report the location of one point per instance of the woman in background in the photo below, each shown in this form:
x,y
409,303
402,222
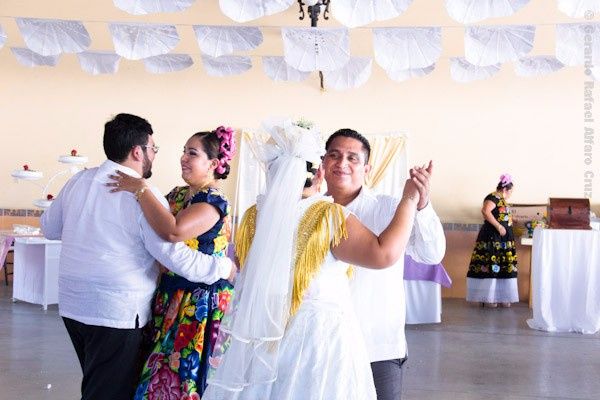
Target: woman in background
x,y
492,276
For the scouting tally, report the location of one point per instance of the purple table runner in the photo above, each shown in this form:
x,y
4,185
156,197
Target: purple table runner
x,y
416,271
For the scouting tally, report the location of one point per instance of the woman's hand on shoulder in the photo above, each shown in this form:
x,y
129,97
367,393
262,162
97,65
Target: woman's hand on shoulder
x,y
121,182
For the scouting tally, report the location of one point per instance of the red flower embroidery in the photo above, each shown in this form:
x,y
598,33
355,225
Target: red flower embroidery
x,y
224,299
172,311
185,334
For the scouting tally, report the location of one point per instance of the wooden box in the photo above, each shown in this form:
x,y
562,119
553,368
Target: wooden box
x,y
569,213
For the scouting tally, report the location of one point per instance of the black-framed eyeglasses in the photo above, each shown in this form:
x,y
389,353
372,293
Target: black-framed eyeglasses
x,y
153,147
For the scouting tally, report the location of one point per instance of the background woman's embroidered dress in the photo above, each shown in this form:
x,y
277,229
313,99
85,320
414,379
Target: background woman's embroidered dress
x,y
492,276
187,315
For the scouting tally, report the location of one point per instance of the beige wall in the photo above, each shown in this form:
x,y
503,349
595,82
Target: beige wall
x,y
531,128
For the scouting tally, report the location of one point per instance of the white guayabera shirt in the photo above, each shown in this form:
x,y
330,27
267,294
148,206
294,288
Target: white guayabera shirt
x,y
107,270
378,295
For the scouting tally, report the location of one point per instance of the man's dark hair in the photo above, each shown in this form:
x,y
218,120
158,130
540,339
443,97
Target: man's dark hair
x,y
124,132
350,133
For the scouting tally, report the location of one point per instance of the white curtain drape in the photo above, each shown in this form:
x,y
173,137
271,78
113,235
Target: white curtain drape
x,y
388,163
250,179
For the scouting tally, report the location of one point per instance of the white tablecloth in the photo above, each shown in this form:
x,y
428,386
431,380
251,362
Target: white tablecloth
x,y
423,287
35,274
423,302
566,280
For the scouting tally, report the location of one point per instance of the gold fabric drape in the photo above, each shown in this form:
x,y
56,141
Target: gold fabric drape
x,y
383,151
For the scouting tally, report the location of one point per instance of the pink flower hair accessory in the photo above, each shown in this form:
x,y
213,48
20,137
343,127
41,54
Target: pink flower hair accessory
x,y
227,147
505,179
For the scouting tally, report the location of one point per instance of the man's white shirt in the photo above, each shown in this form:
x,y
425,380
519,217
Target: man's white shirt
x,y
107,268
378,295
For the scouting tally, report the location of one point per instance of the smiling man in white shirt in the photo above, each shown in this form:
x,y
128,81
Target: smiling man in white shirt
x,y
107,270
378,295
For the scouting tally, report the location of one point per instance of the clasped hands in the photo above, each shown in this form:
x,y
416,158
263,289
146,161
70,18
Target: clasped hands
x,y
418,185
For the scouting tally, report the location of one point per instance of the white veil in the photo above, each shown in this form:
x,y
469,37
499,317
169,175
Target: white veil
x,y
247,347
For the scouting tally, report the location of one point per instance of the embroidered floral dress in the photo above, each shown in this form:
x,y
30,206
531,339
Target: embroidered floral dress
x,y
186,315
492,276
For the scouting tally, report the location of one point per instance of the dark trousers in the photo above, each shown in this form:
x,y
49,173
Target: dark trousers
x,y
109,359
387,375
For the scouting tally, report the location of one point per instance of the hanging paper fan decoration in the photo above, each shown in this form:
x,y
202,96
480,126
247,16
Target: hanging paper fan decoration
x,y
97,63
167,63
352,13
354,74
49,37
137,41
407,48
142,7
278,70
469,11
3,37
493,45
226,65
463,71
406,74
248,10
573,40
216,41
578,8
29,58
537,66
312,49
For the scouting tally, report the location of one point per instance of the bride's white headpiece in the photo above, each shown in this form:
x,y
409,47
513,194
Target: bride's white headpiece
x,y
250,333
285,138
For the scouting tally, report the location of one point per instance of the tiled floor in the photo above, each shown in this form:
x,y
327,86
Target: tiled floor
x,y
481,353
474,354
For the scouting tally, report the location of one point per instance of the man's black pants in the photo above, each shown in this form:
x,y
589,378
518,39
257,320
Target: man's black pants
x,y
109,359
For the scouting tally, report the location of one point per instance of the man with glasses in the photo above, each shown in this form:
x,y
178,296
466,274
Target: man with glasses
x,y
107,269
379,294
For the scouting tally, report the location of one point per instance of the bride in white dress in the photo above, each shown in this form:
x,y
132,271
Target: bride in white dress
x,y
290,332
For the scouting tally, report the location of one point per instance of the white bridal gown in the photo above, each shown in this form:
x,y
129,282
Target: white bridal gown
x,y
322,355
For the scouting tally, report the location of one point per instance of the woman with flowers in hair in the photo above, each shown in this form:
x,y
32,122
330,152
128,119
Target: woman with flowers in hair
x,y
187,315
492,276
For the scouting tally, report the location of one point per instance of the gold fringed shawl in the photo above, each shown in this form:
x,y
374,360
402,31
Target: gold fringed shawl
x,y
245,235
321,226
321,221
